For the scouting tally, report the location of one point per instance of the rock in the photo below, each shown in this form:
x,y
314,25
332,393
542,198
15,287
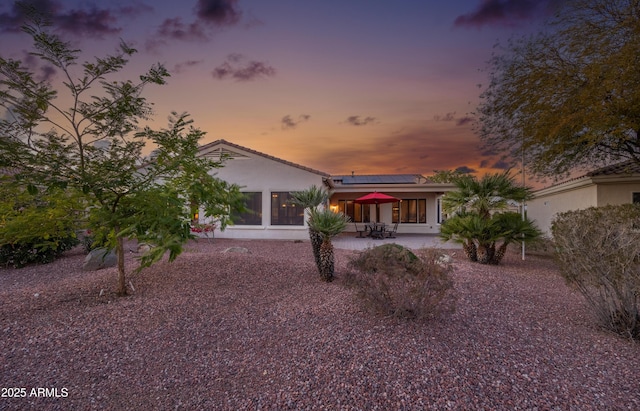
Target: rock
x,y
444,260
236,250
98,259
144,248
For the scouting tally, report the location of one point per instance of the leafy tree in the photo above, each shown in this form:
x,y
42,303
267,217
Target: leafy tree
x,y
95,148
568,97
329,225
311,199
481,221
446,176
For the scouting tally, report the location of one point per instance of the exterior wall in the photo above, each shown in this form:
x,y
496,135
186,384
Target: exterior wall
x,y
261,174
581,193
620,193
546,205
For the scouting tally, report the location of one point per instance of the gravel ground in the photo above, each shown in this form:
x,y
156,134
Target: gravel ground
x,y
232,331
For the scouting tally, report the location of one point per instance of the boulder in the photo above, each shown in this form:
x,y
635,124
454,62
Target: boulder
x,y
98,259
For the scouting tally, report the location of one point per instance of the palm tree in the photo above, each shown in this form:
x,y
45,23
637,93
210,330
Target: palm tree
x,y
492,192
311,199
513,228
328,224
479,220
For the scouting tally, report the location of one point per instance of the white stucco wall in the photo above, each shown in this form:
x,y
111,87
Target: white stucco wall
x,y
617,193
579,194
256,173
548,203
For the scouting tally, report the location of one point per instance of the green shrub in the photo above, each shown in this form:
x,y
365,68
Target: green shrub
x,y
598,253
40,251
36,226
392,280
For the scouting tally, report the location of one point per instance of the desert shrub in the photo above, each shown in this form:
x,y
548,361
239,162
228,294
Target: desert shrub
x,y
38,250
36,226
392,280
598,253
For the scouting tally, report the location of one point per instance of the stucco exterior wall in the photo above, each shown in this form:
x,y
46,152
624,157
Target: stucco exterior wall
x,y
255,173
547,204
617,193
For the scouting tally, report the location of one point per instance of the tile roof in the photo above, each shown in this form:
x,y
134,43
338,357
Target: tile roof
x,y
625,167
378,179
239,147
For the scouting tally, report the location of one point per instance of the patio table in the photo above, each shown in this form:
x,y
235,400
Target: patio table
x,y
376,230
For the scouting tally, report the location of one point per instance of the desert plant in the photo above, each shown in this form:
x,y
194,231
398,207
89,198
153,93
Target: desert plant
x,y
392,280
36,226
485,240
39,250
328,224
479,218
597,250
312,198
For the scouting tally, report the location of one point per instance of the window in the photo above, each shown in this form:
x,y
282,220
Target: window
x,y
635,198
359,213
283,211
253,215
439,215
410,211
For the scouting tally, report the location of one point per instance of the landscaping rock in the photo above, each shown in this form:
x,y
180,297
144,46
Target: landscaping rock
x,y
236,250
98,259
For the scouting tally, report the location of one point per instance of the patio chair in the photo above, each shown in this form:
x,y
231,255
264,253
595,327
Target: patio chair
x,y
391,232
360,230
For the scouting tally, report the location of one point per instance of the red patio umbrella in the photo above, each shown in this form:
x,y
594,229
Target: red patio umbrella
x,y
376,198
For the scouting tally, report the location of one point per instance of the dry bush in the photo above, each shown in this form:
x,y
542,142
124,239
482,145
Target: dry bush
x,y
597,250
392,280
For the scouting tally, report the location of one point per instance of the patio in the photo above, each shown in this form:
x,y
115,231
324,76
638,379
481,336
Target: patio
x,y
350,241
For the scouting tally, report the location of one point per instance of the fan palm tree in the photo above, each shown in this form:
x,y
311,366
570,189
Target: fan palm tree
x,y
311,199
328,224
494,192
479,221
512,229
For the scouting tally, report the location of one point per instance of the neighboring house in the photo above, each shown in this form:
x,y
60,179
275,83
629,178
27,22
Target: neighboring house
x,y
268,182
616,184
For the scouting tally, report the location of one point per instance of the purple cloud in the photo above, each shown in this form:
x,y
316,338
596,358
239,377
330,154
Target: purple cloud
x,y
181,67
505,12
174,28
447,117
466,170
463,121
218,12
359,121
451,116
502,165
288,122
236,68
92,22
42,72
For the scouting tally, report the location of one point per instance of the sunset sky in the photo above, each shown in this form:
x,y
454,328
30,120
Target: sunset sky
x,y
368,86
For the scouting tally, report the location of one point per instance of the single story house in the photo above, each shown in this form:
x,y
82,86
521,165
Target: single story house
x,y
611,185
268,182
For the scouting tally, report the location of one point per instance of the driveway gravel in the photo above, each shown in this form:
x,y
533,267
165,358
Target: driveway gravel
x,y
219,330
